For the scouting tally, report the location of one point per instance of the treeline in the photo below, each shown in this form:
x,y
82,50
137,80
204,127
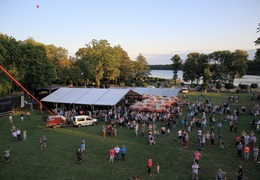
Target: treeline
x,y
252,67
98,64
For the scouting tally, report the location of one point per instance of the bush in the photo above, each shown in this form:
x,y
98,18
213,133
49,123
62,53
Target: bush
x,y
254,85
243,86
229,86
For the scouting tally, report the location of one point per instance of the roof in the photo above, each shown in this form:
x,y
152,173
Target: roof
x,y
154,91
106,97
87,96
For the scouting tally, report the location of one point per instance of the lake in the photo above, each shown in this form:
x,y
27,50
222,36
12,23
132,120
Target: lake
x,y
168,74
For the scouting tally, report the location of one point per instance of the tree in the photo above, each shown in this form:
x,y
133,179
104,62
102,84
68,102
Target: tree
x,y
141,67
257,54
126,66
39,70
194,66
176,62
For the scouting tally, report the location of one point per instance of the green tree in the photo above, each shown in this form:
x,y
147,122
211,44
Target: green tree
x,y
176,62
194,66
141,67
39,70
257,54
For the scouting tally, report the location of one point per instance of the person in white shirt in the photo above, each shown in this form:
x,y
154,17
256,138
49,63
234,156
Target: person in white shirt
x,y
117,152
195,171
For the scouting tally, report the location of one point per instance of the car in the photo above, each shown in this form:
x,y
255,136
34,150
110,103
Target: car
x,y
84,120
55,121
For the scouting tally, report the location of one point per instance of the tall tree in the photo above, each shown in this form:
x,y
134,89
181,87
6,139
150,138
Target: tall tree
x,y
194,66
257,54
176,62
141,67
39,70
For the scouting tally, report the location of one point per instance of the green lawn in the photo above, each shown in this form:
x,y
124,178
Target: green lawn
x,y
58,160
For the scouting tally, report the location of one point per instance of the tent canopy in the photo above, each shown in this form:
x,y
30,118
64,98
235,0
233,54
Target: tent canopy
x,y
87,96
106,97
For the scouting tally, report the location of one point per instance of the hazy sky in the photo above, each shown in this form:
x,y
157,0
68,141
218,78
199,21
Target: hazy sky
x,y
158,29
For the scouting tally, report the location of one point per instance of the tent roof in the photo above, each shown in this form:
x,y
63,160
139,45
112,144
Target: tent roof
x,y
88,96
106,97
153,91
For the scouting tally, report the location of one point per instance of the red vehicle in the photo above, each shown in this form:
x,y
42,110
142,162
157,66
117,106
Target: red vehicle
x,y
55,121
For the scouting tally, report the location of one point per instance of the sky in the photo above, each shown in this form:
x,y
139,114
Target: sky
x,y
158,29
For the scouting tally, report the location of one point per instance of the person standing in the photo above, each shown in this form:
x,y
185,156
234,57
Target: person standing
x,y
111,154
7,155
240,173
123,152
158,168
79,155
117,152
195,171
246,152
83,145
104,131
28,114
150,165
256,152
220,175
11,118
44,141
239,149
197,156
21,117
18,132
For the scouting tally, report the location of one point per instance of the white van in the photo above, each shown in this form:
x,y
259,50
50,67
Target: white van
x,y
83,120
185,90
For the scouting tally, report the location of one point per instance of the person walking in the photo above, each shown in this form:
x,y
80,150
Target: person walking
x,y
150,165
195,171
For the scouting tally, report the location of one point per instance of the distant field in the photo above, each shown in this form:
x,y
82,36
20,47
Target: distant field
x,y
58,160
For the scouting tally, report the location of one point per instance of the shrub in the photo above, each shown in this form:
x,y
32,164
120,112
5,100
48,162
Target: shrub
x,y
229,86
254,85
243,86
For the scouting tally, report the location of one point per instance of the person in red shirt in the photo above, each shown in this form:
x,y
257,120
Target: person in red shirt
x,y
197,156
111,154
246,152
150,164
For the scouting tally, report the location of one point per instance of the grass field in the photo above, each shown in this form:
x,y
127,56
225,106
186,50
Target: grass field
x,y
58,160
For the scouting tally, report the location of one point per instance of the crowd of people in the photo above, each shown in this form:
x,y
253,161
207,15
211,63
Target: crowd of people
x,y
201,117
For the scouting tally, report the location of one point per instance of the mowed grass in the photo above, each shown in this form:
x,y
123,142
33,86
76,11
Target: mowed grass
x,y
58,160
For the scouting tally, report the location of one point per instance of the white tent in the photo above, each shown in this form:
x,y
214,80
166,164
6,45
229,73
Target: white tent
x,y
87,96
154,91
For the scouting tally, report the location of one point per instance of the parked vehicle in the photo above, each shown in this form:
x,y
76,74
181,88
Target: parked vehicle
x,y
55,121
185,90
84,120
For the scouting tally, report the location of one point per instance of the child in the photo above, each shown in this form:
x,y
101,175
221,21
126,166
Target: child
x,y
24,135
158,168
